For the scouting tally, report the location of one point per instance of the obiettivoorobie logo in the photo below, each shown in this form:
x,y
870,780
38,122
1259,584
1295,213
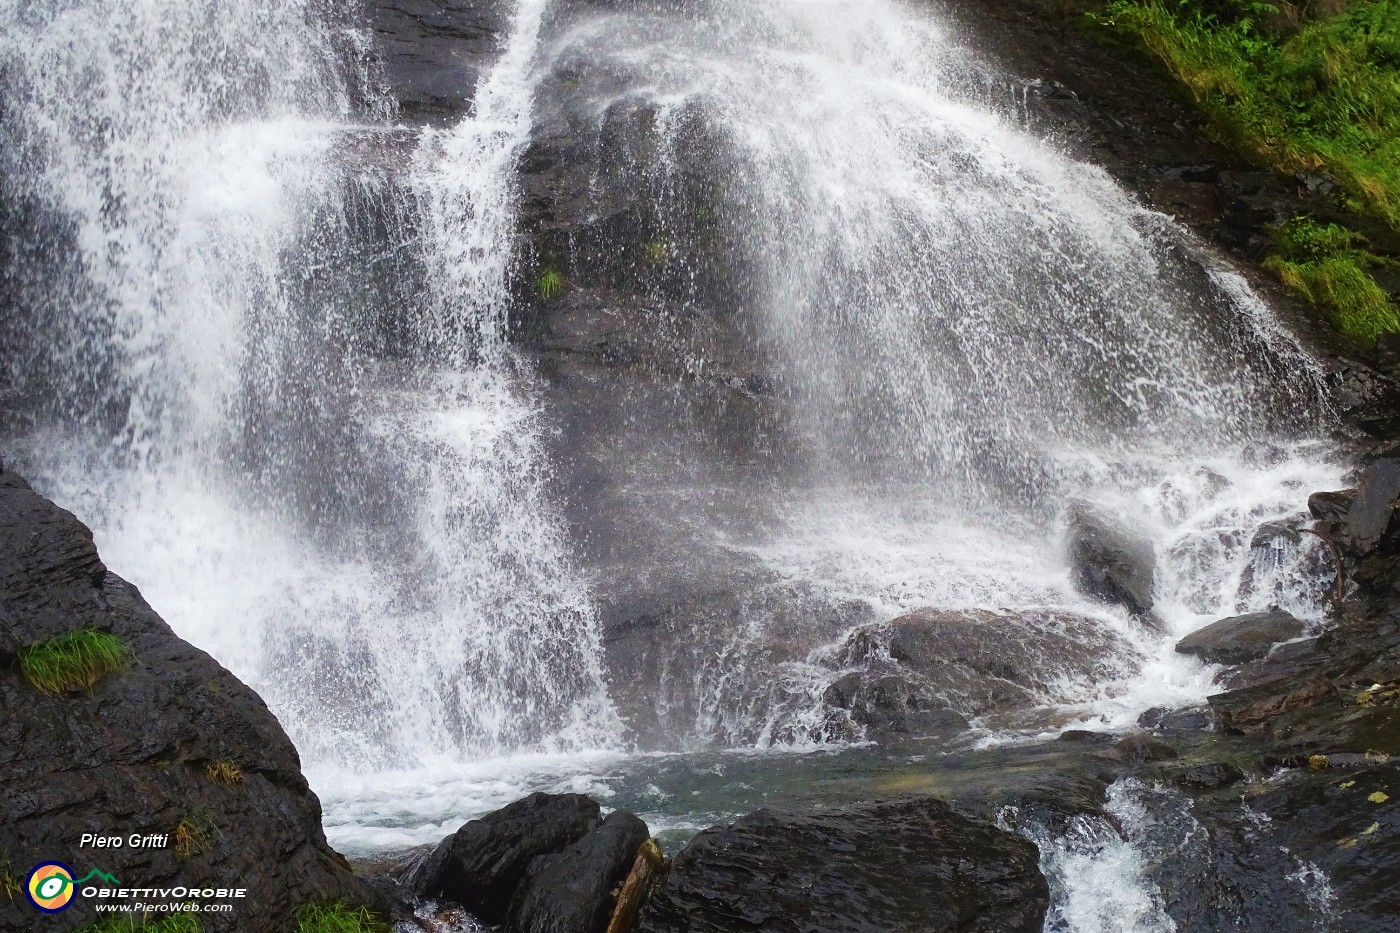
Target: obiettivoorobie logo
x,y
50,885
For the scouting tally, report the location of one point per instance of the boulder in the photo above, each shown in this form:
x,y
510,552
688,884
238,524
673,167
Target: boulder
x,y
1373,510
170,747
1253,709
1241,638
924,672
1331,506
1110,562
481,865
1192,719
572,891
905,864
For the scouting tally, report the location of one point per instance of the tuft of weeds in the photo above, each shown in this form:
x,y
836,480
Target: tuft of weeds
x,y
1321,96
1327,265
551,284
338,918
10,882
224,771
75,661
193,834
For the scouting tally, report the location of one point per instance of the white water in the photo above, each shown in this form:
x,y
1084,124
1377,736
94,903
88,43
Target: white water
x,y
968,328
365,541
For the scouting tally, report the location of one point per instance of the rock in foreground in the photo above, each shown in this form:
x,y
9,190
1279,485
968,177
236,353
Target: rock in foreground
x,y
911,864
547,863
169,745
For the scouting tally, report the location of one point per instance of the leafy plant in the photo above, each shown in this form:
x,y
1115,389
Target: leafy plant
x,y
551,283
74,661
338,918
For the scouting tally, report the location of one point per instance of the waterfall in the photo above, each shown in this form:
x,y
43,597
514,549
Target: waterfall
x,y
252,358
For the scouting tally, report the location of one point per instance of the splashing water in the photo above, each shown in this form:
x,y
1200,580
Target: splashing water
x,y
342,502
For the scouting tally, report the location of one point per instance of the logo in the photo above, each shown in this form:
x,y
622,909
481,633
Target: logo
x,y
50,887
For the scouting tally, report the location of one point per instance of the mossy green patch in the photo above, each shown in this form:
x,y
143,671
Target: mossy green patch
x,y
75,661
338,918
1325,264
1321,98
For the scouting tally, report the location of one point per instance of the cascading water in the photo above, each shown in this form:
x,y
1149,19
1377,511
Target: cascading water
x,y
339,498
274,375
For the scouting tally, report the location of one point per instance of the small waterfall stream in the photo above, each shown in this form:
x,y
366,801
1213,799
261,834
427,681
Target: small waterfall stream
x,y
265,350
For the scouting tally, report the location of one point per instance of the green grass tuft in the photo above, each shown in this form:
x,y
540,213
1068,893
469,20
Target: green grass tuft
x,y
1324,97
1326,265
551,284
74,661
168,923
337,918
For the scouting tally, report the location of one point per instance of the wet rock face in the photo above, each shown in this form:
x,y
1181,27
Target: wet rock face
x,y
921,673
1241,638
1372,512
907,864
434,53
1110,562
571,891
139,752
482,864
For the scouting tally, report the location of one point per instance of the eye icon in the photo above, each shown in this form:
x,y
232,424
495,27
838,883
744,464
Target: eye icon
x,y
50,887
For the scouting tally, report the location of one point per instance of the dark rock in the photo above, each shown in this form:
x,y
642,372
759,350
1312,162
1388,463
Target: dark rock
x,y
921,673
1275,535
1252,709
1331,506
1208,776
133,753
1241,638
571,891
906,864
481,865
1108,561
1087,737
890,704
1159,719
434,52
1373,509
1136,748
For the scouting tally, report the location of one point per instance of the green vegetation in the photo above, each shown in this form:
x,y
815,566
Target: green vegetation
x,y
551,284
1320,96
169,923
1325,264
74,661
1325,97
337,918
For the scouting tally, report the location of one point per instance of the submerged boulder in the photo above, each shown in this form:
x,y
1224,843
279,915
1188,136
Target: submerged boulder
x,y
905,864
481,865
153,739
1110,562
1241,638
